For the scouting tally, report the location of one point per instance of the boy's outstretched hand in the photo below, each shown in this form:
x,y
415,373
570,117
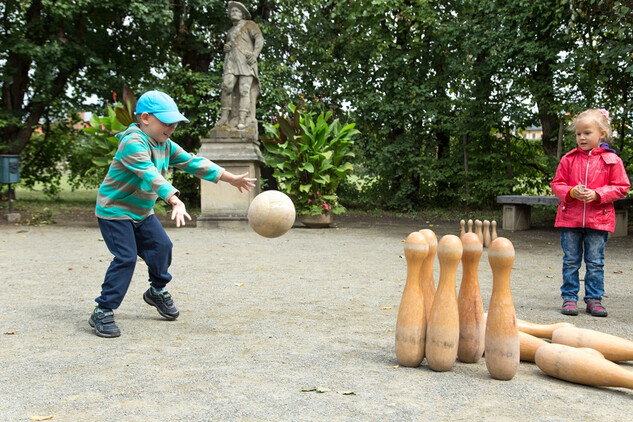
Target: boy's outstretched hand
x,y
240,181
179,211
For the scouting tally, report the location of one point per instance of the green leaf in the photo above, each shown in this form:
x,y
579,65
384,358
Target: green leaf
x,y
100,161
123,116
309,167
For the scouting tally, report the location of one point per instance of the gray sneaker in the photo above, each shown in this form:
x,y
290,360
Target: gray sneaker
x,y
595,308
163,303
102,320
569,308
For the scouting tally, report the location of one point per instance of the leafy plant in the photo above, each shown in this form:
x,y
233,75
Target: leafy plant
x,y
92,154
104,143
309,156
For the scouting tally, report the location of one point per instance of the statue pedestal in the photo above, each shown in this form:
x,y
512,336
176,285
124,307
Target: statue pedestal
x,y
238,152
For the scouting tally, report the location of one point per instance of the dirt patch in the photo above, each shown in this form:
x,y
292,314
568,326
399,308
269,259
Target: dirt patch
x,y
295,328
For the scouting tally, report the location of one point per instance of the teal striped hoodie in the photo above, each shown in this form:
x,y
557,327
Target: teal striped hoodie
x,y
136,177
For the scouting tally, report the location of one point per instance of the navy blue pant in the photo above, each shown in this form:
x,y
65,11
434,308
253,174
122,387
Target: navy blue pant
x,y
127,239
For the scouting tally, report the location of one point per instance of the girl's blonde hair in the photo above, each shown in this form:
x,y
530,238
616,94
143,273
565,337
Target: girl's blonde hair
x,y
598,115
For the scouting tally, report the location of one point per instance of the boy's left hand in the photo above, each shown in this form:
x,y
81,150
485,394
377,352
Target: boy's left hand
x,y
179,211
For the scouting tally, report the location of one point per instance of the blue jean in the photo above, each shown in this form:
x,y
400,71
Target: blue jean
x,y
576,242
127,239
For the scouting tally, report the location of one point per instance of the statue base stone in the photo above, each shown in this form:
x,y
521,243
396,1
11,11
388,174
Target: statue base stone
x,y
238,152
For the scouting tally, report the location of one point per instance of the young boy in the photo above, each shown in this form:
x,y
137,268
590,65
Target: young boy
x,y
125,203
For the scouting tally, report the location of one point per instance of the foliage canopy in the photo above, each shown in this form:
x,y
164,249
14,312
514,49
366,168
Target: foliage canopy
x,y
441,91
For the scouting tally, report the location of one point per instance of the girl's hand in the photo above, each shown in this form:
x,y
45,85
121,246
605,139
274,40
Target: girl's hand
x,y
179,211
583,194
590,195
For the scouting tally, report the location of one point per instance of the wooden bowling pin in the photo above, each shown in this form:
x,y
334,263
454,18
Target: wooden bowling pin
x,y
462,225
442,332
478,231
540,330
502,335
470,226
528,346
581,366
472,324
612,347
493,235
426,276
487,239
411,322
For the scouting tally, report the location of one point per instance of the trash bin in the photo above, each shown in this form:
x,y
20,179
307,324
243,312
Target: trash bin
x,y
9,168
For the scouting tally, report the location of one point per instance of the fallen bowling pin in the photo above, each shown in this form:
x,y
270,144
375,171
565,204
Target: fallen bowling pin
x,y
581,366
411,322
442,332
529,345
612,347
426,276
541,330
502,335
472,324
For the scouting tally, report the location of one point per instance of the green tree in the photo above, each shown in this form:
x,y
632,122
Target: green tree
x,y
54,54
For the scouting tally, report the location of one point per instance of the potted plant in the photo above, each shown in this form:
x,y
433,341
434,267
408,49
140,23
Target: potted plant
x,y
309,157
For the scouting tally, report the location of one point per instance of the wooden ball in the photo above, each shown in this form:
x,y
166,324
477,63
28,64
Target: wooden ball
x,y
271,214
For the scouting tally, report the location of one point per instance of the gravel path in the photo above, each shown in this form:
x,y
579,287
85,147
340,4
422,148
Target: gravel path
x,y
295,328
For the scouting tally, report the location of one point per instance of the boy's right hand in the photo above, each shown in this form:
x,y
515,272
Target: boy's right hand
x,y
240,181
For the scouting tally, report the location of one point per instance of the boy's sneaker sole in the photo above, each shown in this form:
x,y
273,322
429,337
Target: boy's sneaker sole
x,y
163,304
104,325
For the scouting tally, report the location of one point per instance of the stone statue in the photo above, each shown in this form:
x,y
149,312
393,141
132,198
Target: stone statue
x,y
240,83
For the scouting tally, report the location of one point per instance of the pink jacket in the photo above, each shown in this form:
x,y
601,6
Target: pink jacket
x,y
599,170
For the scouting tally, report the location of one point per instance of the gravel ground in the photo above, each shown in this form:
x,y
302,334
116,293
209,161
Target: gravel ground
x,y
295,328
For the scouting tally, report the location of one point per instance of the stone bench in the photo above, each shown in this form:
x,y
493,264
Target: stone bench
x,y
517,210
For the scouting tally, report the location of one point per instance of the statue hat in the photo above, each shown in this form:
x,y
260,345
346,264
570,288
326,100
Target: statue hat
x,y
245,13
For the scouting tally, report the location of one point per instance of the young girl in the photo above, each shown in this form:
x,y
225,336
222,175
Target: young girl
x,y
588,179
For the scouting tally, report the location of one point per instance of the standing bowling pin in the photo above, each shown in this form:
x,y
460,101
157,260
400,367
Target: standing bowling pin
x,y
478,231
612,347
470,226
487,238
581,366
462,225
540,330
502,335
493,235
411,323
472,323
426,277
442,332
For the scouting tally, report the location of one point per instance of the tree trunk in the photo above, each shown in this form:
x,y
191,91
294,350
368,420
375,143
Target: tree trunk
x,y
509,171
549,124
559,147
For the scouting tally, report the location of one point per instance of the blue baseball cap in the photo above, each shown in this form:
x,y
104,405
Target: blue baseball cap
x,y
161,105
